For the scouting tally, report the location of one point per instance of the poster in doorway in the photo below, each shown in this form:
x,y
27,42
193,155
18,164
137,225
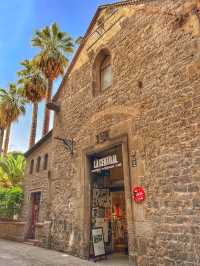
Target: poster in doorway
x,y
98,242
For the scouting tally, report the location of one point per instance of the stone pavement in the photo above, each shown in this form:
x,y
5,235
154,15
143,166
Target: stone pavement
x,y
18,254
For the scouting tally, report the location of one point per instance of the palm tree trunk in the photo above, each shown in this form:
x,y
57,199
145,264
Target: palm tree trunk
x,y
33,125
6,142
1,139
47,111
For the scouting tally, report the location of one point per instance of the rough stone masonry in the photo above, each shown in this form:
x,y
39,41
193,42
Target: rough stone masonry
x,y
153,109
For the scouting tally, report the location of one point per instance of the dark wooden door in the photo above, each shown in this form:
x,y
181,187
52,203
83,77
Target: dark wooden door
x,y
35,213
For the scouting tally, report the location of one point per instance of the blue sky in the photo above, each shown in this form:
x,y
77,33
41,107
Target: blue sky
x,y
18,20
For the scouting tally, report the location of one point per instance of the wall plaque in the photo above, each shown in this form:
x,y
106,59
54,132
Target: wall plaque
x,y
133,160
102,137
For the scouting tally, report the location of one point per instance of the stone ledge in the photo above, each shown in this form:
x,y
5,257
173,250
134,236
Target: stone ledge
x,y
12,222
13,230
40,224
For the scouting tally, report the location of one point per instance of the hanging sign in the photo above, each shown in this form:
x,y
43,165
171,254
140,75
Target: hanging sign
x,y
98,242
138,194
105,163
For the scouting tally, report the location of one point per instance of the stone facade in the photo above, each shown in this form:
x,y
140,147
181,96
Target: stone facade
x,y
152,109
13,230
38,181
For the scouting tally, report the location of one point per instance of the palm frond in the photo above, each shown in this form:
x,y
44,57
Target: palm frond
x,y
55,29
33,84
12,169
54,45
12,104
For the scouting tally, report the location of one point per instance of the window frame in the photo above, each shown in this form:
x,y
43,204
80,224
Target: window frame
x,y
31,168
46,161
38,164
102,62
105,65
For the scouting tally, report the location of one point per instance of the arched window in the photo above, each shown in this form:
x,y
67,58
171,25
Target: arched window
x,y
45,162
105,73
31,167
102,72
38,164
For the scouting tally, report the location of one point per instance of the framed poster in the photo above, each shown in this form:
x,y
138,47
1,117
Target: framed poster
x,y
98,242
100,222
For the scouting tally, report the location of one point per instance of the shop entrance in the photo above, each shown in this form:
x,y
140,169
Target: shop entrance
x,y
108,205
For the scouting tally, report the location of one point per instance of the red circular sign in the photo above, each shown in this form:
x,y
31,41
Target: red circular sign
x,y
138,194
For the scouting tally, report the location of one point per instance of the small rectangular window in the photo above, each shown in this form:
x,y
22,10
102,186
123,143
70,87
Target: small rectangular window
x,y
38,164
106,77
31,167
45,166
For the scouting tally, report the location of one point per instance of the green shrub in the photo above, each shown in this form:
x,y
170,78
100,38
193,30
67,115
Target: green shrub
x,y
12,170
10,201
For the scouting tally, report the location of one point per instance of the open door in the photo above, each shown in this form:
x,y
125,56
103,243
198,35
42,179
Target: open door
x,y
108,207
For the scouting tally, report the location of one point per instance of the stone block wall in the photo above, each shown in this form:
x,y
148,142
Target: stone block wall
x,y
43,234
154,101
152,109
37,182
13,230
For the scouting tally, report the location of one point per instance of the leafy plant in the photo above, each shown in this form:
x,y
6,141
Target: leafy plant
x,y
10,202
12,169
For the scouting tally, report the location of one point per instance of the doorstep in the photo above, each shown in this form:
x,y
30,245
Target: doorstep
x,y
115,260
32,242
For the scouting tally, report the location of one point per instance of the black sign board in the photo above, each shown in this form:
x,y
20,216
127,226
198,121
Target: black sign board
x,y
105,163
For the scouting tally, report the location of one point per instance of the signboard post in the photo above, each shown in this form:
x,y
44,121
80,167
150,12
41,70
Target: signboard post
x,y
98,243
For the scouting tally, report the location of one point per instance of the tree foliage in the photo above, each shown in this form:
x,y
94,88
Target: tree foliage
x,y
11,177
12,105
54,45
10,201
12,169
33,84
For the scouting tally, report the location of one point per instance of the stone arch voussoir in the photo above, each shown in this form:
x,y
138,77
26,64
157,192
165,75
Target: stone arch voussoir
x,y
130,112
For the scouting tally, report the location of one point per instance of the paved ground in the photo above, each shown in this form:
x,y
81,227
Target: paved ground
x,y
18,254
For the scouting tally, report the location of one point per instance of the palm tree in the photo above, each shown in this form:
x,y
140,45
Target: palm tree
x,y
12,105
12,170
34,89
54,45
3,126
1,138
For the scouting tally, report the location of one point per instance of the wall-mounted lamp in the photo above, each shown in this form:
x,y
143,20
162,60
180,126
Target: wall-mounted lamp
x,y
68,144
